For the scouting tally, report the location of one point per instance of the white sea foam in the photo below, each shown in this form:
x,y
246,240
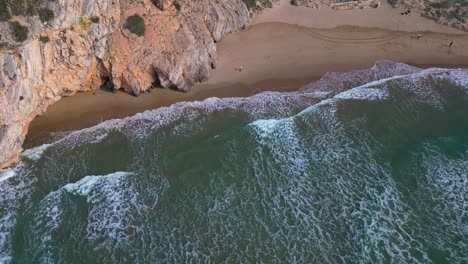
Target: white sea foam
x,y
337,82
378,74
5,259
384,214
86,184
35,153
266,127
363,93
330,188
53,209
459,77
260,105
83,186
5,174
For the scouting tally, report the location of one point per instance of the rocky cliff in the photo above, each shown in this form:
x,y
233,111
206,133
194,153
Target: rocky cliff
x,y
55,48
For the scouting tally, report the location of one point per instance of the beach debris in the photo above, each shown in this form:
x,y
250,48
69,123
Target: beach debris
x,y
406,12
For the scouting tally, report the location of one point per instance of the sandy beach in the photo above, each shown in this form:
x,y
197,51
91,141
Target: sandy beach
x,y
285,48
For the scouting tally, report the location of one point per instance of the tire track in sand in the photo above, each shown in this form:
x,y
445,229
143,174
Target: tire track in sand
x,y
314,34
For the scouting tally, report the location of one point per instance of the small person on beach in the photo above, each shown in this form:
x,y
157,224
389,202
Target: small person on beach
x,y
241,68
451,43
419,35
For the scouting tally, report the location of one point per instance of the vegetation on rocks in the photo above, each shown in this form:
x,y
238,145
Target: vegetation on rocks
x,y
452,13
44,39
20,7
4,14
20,32
455,11
45,14
26,8
250,3
95,19
393,3
85,23
136,25
177,5
258,5
158,3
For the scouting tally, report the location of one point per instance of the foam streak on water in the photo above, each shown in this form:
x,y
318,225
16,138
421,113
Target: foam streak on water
x,y
368,166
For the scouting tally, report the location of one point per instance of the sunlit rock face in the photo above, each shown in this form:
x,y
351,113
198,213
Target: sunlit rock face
x,y
86,43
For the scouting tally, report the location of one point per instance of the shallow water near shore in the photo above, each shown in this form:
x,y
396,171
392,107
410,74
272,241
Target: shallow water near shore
x,y
366,166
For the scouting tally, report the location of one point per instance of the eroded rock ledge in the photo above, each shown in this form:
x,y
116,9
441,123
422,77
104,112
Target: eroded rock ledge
x,y
83,44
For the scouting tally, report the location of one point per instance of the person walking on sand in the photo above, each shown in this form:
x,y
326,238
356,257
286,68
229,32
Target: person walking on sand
x,y
419,35
451,43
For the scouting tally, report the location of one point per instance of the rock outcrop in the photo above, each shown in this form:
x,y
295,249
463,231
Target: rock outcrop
x,y
178,48
88,42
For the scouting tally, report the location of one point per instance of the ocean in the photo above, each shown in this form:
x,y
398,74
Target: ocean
x,y
369,166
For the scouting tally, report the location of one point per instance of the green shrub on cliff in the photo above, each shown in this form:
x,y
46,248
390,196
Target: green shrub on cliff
x,y
45,14
176,5
393,2
44,39
95,19
85,23
4,14
20,32
23,7
136,25
158,4
250,3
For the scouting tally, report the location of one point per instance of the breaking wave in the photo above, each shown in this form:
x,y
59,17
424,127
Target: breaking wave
x,y
365,166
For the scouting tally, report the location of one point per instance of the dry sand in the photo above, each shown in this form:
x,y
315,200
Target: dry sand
x,y
280,56
385,17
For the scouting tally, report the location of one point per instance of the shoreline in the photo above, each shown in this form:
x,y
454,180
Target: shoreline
x,y
57,119
276,56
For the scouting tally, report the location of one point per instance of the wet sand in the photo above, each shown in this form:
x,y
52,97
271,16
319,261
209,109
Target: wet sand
x,y
278,56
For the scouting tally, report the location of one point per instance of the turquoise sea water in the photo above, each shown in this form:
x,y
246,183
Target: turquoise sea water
x,y
363,167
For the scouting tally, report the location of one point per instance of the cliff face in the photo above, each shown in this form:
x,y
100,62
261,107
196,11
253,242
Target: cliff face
x,y
178,48
88,42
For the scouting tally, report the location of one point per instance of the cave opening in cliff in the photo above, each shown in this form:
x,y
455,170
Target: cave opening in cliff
x,y
107,84
156,82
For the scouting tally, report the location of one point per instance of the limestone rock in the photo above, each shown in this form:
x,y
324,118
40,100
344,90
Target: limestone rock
x,y
34,74
178,48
